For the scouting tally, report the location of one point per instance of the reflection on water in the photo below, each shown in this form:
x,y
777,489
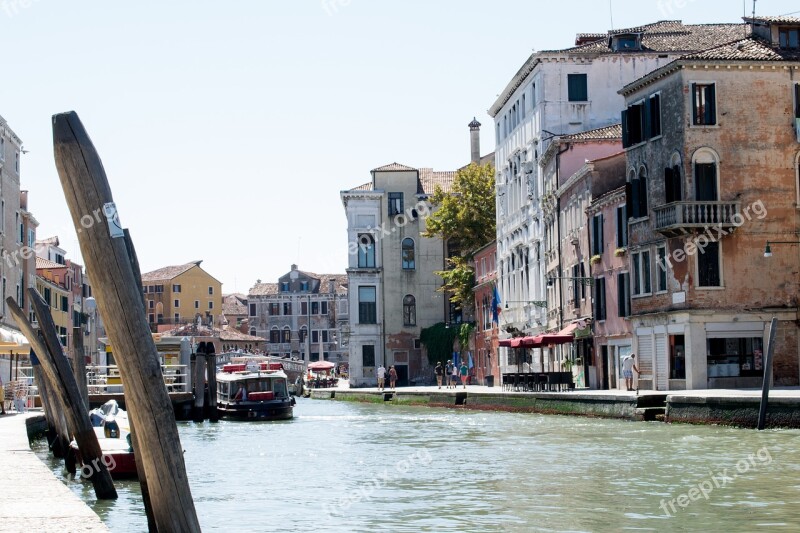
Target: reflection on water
x,y
340,466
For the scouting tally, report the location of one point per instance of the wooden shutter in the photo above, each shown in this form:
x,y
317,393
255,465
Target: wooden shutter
x,y
668,186
642,196
797,100
677,183
695,117
625,137
629,198
711,105
600,243
646,122
621,295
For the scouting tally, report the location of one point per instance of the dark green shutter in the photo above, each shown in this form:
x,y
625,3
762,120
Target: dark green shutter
x,y
797,100
625,139
669,188
695,117
646,123
711,105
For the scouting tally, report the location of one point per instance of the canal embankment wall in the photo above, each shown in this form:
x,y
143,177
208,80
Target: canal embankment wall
x,y
34,499
731,407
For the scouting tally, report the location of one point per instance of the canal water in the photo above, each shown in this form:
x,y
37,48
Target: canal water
x,y
341,466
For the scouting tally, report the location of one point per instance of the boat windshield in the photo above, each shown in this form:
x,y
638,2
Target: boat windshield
x,y
279,387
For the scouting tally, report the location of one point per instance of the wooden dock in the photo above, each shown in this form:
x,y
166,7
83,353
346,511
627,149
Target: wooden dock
x,y
34,499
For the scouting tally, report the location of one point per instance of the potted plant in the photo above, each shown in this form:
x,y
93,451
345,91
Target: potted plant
x,y
619,252
595,259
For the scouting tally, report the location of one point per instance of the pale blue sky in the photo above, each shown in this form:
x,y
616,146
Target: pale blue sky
x,y
227,129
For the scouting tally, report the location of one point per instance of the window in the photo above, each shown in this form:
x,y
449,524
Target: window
x,y
176,288
705,178
368,356
704,104
324,308
597,234
661,268
408,254
286,335
63,335
708,266
633,126
577,88
211,291
600,299
643,212
797,100
640,262
366,251
654,116
252,309
151,304
789,37
284,286
367,306
314,308
303,334
522,108
577,287
176,318
211,305
395,203
176,303
409,310
636,194
274,309
304,286
197,304
622,227
672,184
151,318
287,308
623,294
304,308
626,42
274,335
158,288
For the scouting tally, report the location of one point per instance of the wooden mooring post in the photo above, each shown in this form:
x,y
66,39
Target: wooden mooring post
x,y
79,364
199,385
62,387
118,296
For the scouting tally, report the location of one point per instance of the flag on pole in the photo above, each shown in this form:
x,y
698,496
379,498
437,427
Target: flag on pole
x,y
495,305
470,360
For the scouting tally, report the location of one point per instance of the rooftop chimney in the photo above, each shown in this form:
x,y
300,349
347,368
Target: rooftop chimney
x,y
294,267
475,140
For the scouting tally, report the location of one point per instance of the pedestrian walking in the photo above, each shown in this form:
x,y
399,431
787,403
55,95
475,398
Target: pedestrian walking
x,y
392,377
464,370
628,368
439,373
454,376
381,377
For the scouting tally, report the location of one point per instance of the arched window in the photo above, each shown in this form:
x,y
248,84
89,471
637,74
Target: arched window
x,y
706,175
409,311
408,255
303,333
366,251
253,332
286,334
643,211
274,335
673,181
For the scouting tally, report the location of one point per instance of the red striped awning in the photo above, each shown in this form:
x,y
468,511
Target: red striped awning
x,y
505,342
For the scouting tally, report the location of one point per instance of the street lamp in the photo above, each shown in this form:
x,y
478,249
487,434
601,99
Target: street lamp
x,y
768,250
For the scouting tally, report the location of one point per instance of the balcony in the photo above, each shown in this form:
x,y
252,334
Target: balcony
x,y
679,218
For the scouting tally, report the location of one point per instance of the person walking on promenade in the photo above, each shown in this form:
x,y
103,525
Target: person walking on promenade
x,y
392,377
628,368
464,370
439,373
381,378
454,376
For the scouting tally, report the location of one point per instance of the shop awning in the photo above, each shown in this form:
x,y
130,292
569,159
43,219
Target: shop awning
x,y
526,342
556,338
505,343
569,330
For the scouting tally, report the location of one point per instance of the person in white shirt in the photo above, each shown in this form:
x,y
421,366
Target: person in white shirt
x,y
628,368
381,377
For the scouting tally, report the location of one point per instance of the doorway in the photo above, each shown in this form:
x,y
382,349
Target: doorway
x,y
402,375
604,356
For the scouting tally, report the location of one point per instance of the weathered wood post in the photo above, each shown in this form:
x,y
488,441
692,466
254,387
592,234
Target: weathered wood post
x,y
211,365
62,385
118,298
47,405
762,409
79,364
59,438
199,385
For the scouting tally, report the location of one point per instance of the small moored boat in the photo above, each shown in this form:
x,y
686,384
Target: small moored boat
x,y
113,435
253,391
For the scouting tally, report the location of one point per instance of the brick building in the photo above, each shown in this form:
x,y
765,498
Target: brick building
x,y
712,175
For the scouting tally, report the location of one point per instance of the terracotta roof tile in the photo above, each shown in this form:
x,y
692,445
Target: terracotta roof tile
x,y
169,272
263,289
47,264
750,49
784,19
233,309
393,167
429,179
608,132
365,187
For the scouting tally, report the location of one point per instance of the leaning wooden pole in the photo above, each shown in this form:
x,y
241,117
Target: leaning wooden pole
x,y
79,364
199,386
61,384
765,384
104,252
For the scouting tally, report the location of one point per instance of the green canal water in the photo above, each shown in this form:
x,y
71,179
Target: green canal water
x,y
341,466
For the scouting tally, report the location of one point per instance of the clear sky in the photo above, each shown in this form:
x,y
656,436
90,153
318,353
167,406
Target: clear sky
x,y
227,129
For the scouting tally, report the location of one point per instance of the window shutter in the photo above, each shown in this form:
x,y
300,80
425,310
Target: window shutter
x,y
629,198
600,234
643,196
621,295
797,100
625,136
676,183
668,186
694,104
711,106
646,122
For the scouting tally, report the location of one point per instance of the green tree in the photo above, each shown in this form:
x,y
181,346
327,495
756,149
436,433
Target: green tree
x,y
466,214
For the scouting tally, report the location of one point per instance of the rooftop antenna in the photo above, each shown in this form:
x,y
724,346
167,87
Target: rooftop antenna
x,y
753,24
611,13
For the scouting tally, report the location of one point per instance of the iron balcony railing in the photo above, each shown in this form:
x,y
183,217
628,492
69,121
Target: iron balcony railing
x,y
682,217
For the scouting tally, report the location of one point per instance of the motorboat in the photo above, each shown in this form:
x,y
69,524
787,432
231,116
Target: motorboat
x,y
254,391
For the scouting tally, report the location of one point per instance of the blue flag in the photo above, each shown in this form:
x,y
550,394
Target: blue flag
x,y
470,360
456,362
495,305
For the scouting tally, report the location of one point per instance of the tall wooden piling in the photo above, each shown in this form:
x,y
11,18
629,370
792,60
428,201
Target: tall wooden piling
x,y
94,215
211,365
61,383
79,364
199,385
